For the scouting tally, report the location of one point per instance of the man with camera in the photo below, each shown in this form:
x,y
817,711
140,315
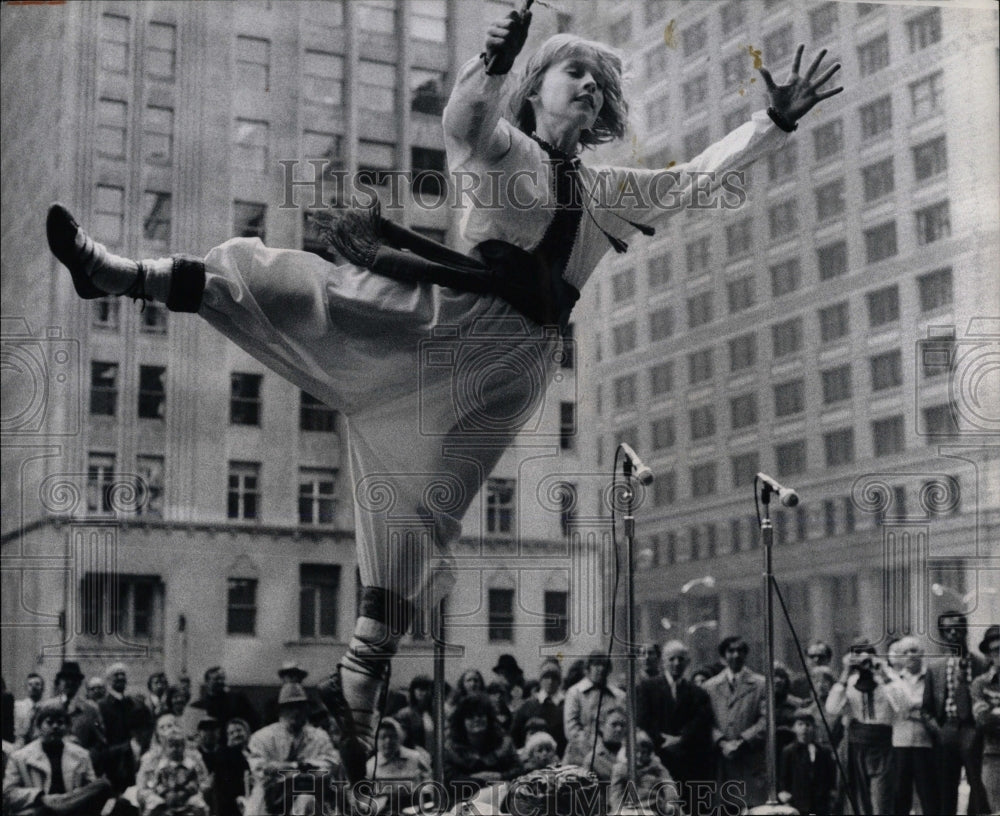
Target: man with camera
x,y
861,694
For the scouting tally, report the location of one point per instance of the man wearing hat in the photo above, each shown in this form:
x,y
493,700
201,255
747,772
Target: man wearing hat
x,y
986,711
51,774
24,709
739,698
948,702
85,723
807,772
508,671
547,704
221,702
290,672
288,750
583,699
117,715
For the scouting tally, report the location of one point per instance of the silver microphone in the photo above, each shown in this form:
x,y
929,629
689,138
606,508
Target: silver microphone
x,y
788,497
642,473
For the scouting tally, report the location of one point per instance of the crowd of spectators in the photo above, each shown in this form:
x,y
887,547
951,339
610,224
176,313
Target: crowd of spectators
x,y
894,731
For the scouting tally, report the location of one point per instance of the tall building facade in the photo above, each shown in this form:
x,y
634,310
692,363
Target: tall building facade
x,y
838,329
167,499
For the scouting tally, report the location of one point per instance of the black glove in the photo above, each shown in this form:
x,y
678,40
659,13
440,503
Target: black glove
x,y
504,42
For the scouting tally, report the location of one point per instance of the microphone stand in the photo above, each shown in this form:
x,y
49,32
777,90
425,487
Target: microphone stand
x,y
629,524
772,806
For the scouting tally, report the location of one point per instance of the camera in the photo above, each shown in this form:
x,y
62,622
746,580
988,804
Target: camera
x,y
42,381
954,376
490,379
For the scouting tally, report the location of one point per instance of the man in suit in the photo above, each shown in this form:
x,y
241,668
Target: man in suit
x,y
24,710
546,703
85,724
118,713
677,715
948,703
739,700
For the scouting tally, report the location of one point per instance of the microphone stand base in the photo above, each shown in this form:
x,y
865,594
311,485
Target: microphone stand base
x,y
773,809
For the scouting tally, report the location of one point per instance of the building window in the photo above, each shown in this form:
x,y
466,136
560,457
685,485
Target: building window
x,y
377,16
743,411
315,415
112,124
739,238
786,337
886,370
828,140
839,447
734,119
694,38
158,135
241,606
702,421
316,496
152,392
103,389
743,351
836,384
326,148
105,313
663,433
699,309
887,436
789,398
873,55
253,63
620,31
740,294
700,366
160,50
100,482
500,495
823,21
377,86
876,118
781,165
926,96
864,9
657,64
703,480
244,403
936,356
129,607
628,435
115,40
745,468
930,159
933,223
568,361
834,322
661,378
883,306
783,218
501,615
734,70
659,271
695,92
924,30
623,337
429,168
661,324
623,286
109,214
939,420
567,425
878,180
556,616
665,489
319,600
778,45
243,496
832,260
149,470
375,161
732,15
323,78
250,141
427,91
698,255
790,458
786,277
249,220
429,21
935,290
625,392
880,242
830,200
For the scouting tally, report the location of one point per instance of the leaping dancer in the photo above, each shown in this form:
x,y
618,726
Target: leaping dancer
x,y
350,334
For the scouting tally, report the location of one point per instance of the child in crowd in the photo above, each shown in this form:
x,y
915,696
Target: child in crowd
x,y
808,775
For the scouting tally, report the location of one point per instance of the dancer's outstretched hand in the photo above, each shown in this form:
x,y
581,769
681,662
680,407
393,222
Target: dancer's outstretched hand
x,y
504,41
800,94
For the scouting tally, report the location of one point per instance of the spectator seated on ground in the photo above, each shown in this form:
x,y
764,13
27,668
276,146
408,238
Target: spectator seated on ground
x,y
601,754
477,752
166,727
654,787
396,769
50,774
176,782
539,751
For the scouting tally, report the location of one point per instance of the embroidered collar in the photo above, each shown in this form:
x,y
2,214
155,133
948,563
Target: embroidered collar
x,y
553,151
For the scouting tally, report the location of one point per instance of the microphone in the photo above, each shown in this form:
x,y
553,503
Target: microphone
x,y
642,473
789,498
